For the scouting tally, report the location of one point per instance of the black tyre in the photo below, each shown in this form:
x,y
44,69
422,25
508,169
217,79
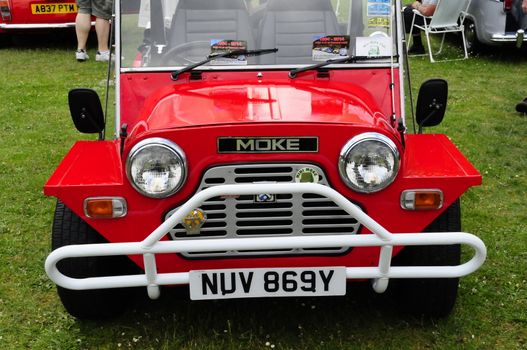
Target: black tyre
x,y
431,297
474,46
69,229
5,40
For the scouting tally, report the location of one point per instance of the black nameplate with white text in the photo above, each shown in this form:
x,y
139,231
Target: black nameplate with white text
x,y
267,144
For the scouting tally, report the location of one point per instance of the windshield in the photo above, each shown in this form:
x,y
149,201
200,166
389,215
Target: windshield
x,y
180,33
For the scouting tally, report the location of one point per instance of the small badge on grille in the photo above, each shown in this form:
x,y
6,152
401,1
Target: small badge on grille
x,y
194,221
264,198
307,175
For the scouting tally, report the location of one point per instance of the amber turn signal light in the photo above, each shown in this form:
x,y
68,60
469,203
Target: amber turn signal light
x,y
422,199
105,207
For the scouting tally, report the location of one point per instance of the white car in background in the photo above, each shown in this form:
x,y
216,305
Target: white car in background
x,y
494,23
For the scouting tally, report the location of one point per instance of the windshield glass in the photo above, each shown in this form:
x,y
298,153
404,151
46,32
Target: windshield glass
x,y
179,33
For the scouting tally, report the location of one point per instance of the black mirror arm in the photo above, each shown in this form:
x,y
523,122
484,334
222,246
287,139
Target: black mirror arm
x,y
123,134
84,115
435,108
402,129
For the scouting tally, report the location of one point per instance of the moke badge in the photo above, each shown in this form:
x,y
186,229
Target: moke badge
x,y
307,175
267,144
264,198
194,221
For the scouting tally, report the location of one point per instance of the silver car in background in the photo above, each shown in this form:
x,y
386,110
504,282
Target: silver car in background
x,y
493,23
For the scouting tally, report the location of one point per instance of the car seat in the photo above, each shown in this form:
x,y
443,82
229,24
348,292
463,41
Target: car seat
x,y
292,26
204,20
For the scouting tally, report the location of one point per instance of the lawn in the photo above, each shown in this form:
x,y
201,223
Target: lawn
x,y
491,312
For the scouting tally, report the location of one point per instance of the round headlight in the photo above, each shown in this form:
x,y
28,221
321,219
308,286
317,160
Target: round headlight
x,y
369,162
156,167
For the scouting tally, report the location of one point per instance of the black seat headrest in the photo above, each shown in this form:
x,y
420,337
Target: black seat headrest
x,y
211,5
299,5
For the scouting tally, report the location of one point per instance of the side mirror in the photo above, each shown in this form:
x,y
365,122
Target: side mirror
x,y
86,110
431,103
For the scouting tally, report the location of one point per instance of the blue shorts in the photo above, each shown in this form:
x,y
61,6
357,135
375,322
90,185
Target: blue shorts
x,y
98,8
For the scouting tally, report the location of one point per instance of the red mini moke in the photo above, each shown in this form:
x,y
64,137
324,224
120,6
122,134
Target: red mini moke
x,y
260,150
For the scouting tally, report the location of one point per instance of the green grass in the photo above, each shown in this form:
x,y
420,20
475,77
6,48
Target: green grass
x,y
491,312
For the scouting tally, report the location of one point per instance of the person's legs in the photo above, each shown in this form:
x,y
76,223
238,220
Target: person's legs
x,y
102,10
82,29
102,27
408,15
417,44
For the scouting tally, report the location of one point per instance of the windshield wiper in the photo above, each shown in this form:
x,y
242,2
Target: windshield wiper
x,y
231,54
350,59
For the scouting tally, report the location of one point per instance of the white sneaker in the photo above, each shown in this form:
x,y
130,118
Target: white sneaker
x,y
103,56
81,55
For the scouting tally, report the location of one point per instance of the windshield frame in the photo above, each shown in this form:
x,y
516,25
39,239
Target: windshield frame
x,y
160,42
395,63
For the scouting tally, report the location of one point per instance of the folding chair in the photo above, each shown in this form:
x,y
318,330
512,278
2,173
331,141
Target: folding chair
x,y
448,17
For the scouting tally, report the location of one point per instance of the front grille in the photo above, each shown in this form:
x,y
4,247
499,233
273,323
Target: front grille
x,y
287,215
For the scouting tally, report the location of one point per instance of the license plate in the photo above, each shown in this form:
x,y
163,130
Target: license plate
x,y
53,8
278,282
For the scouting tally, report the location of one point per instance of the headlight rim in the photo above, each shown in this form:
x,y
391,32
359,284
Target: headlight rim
x,y
353,142
157,141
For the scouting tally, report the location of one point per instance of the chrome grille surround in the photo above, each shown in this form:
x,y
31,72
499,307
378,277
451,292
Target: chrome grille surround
x,y
290,214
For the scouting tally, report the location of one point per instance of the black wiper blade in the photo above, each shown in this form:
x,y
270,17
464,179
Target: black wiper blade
x,y
248,53
350,59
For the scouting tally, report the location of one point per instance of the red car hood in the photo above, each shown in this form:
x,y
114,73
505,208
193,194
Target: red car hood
x,y
227,103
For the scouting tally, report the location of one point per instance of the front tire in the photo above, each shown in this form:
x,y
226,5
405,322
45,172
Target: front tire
x,y
431,297
70,229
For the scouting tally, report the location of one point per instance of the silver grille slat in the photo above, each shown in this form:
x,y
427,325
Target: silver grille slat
x,y
288,215
325,227
269,210
267,217
314,217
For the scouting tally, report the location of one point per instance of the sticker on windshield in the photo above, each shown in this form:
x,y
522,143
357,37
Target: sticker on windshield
x,y
218,46
330,47
374,46
378,22
379,8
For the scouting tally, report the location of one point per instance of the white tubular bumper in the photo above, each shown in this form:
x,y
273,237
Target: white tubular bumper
x,y
152,245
